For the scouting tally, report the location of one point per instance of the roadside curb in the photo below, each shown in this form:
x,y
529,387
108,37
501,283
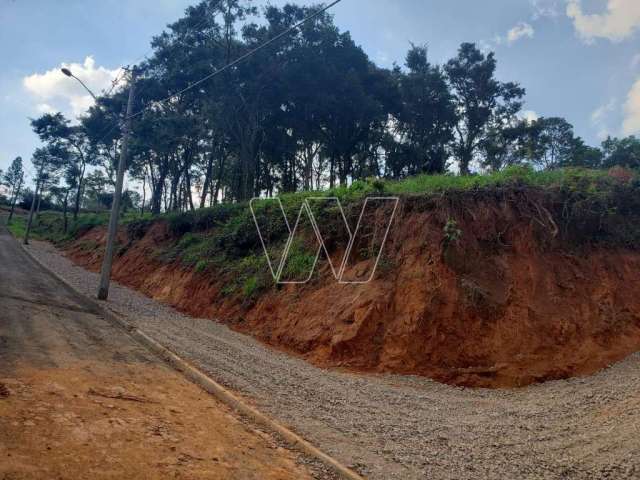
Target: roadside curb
x,y
205,382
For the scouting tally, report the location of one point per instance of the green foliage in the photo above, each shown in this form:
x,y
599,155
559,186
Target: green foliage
x,y
18,226
250,286
202,266
299,262
180,223
451,232
597,206
86,222
137,228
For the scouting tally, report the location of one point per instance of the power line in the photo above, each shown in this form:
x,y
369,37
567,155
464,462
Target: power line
x,y
231,64
125,69
245,56
145,55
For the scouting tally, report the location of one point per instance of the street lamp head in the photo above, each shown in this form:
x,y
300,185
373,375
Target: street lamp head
x,y
67,72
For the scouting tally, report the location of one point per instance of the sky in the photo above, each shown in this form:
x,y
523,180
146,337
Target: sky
x,y
579,59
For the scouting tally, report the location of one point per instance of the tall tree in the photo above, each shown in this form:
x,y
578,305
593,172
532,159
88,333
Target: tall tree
x,y
482,102
551,142
622,151
426,115
55,130
14,179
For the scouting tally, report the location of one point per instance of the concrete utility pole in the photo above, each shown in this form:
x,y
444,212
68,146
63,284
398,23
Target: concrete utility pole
x,y
105,273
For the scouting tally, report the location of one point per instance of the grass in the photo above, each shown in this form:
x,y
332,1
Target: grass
x,y
18,226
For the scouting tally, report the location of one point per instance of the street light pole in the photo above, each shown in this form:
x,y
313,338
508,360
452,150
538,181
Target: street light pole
x,y
68,73
105,273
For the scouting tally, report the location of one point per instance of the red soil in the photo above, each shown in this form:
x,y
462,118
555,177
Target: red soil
x,y
509,305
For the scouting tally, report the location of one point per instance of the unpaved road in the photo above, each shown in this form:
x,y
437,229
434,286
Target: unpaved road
x,y
392,427
80,399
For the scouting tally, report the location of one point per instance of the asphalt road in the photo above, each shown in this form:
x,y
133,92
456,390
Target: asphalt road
x,y
43,322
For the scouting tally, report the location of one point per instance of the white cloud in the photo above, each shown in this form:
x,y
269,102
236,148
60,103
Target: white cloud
x,y
619,22
53,91
521,30
546,8
518,32
45,108
631,125
600,118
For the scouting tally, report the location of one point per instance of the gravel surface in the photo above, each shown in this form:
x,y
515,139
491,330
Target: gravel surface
x,y
399,427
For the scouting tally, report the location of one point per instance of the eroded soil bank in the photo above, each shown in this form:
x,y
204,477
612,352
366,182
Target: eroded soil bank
x,y
497,288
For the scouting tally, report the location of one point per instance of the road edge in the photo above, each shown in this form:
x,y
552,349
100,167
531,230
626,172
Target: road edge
x,y
201,379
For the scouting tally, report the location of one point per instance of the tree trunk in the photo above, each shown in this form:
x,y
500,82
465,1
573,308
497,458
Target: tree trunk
x,y
144,193
33,204
208,177
159,192
16,193
39,202
76,207
332,171
64,211
465,161
188,197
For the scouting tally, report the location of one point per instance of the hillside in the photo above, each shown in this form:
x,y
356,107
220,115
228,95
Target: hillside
x,y
497,281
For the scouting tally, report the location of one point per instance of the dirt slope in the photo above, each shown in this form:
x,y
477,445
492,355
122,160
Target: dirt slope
x,y
530,291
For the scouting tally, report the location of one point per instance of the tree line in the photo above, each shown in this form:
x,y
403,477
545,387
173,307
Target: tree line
x,y
312,111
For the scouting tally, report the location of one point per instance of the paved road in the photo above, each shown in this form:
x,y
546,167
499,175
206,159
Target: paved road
x,y
80,399
44,323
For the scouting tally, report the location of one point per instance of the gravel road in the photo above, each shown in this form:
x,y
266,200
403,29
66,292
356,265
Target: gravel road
x,y
396,427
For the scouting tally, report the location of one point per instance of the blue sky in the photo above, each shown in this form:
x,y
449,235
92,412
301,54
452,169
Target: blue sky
x,y
579,59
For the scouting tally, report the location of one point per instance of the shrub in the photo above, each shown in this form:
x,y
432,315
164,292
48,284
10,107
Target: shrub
x,y
250,286
137,229
451,232
180,223
86,222
299,263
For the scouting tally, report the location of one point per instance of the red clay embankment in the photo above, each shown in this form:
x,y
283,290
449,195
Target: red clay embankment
x,y
523,296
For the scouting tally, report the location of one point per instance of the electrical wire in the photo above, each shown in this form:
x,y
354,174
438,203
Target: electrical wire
x,y
229,65
144,56
241,58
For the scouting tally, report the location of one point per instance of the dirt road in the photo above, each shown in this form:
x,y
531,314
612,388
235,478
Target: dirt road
x,y
80,399
394,427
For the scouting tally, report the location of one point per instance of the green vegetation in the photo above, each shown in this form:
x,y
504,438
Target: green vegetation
x,y
224,238
49,225
451,232
18,226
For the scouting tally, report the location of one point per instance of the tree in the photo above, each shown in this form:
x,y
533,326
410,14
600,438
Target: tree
x,y
555,142
425,118
55,130
624,152
13,179
310,111
47,162
507,145
583,155
482,102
